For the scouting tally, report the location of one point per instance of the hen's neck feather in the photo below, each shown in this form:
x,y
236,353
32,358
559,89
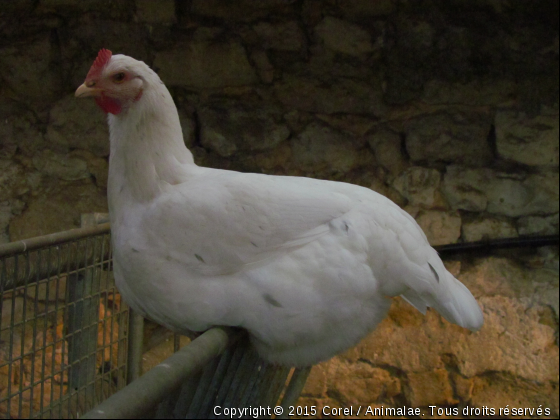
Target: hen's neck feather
x,y
148,153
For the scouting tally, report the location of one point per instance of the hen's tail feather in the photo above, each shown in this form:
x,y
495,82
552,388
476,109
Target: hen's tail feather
x,y
412,297
451,299
460,307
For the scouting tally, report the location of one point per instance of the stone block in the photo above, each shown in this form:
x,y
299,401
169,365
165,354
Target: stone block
x,y
228,127
419,185
61,166
265,70
239,10
316,384
97,167
361,383
487,228
457,138
161,11
536,194
109,8
500,390
440,227
206,65
430,388
344,37
535,225
29,73
12,179
464,188
58,211
345,96
6,215
354,125
511,195
513,340
319,148
365,10
529,353
528,140
478,92
77,124
20,132
387,147
283,36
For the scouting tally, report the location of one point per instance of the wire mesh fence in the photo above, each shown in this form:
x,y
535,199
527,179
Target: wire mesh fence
x,y
69,346
63,327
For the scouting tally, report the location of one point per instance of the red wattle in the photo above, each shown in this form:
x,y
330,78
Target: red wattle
x,y
108,105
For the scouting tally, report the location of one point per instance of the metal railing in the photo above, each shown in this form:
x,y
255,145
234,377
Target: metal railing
x,y
64,339
216,373
69,347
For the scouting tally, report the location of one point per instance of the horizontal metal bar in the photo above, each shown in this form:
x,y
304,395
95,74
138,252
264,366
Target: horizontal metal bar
x,y
52,239
500,243
142,395
71,251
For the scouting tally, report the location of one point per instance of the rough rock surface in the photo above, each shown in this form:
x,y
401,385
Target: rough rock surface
x,y
71,127
508,194
206,65
534,225
419,185
343,37
319,148
512,360
349,96
448,108
440,227
57,209
283,36
457,138
530,141
226,130
387,147
38,84
487,228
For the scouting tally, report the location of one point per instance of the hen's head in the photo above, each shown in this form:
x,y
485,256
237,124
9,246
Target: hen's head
x,y
116,82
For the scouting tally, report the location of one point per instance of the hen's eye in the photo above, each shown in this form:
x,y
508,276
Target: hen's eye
x,y
119,77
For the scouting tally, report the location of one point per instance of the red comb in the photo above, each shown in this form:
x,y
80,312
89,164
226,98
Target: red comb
x,y
101,61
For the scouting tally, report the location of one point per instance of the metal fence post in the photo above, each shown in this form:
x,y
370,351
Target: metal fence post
x,y
82,325
135,345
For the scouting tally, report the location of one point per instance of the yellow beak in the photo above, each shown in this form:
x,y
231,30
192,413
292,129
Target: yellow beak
x,y
84,91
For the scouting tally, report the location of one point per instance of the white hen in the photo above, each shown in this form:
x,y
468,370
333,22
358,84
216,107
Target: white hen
x,y
306,266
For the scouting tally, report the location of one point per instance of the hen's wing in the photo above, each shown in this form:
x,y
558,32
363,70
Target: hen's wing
x,y
226,221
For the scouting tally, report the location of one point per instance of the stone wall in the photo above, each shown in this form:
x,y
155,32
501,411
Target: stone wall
x,y
449,108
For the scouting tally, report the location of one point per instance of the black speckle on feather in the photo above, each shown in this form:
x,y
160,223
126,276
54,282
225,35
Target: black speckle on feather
x,y
346,227
134,250
434,271
254,244
271,300
199,258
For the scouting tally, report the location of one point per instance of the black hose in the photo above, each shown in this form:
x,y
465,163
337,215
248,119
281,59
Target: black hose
x,y
492,244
